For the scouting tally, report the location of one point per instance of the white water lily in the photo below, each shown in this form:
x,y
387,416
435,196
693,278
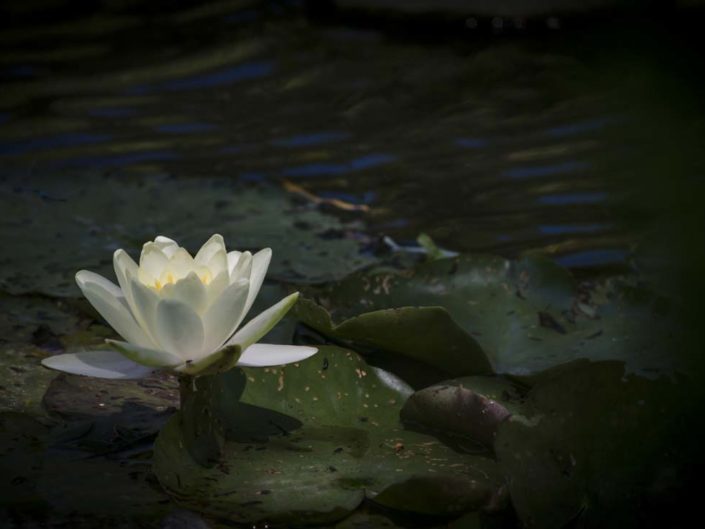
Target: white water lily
x,y
181,313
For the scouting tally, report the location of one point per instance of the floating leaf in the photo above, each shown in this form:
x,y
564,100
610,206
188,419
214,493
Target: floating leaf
x,y
526,315
306,443
427,334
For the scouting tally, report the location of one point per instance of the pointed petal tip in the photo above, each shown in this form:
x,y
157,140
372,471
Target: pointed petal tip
x,y
265,355
80,277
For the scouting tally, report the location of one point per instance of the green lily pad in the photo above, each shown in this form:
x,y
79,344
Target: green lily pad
x,y
594,446
308,442
526,316
427,334
73,225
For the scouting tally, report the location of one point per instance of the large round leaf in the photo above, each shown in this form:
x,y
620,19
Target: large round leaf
x,y
306,443
526,316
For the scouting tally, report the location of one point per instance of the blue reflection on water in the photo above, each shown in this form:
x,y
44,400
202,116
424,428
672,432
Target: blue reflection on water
x,y
325,169
185,128
566,199
471,143
545,170
560,229
116,160
592,258
69,139
305,140
580,127
241,72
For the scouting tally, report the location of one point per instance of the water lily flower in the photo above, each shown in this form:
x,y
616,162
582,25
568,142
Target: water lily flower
x,y
181,313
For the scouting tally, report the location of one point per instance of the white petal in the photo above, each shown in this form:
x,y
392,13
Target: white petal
x,y
264,354
124,265
110,302
189,290
260,264
233,258
146,356
209,249
152,259
101,364
224,315
179,329
218,263
180,265
144,307
215,288
261,324
166,245
243,268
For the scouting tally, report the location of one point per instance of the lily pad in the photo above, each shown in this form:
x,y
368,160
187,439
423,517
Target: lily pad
x,y
426,334
526,316
76,224
308,442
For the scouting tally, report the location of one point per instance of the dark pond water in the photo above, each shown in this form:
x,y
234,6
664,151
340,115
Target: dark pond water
x,y
331,141
497,143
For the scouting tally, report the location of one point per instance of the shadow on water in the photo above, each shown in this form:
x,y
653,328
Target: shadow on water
x,y
519,128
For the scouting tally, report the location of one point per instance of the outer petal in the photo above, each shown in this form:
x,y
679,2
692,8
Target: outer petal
x,y
110,302
144,307
224,315
261,324
189,290
124,265
101,364
260,264
145,356
179,329
264,354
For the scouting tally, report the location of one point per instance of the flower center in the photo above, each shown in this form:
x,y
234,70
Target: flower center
x,y
205,277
